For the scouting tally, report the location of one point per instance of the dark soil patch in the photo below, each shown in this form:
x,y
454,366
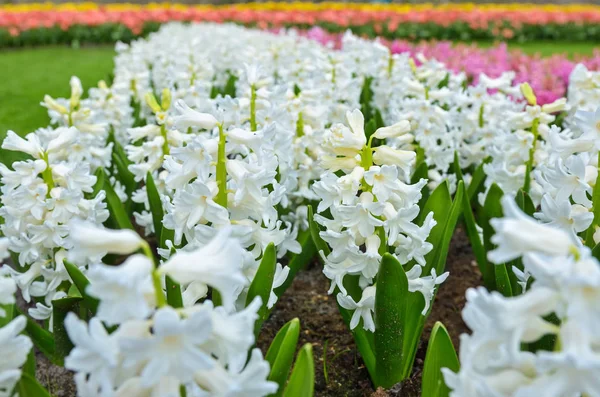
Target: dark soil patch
x,y
333,344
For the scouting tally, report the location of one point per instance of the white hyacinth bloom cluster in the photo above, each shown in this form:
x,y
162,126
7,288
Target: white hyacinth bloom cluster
x,y
495,360
157,349
40,197
371,206
14,345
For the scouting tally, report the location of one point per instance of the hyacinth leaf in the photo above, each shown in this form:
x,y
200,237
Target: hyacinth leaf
x,y
476,181
378,119
60,309
440,354
30,365
457,169
81,282
281,354
174,297
115,207
42,339
589,236
29,386
156,207
523,200
263,282
314,232
596,252
415,319
100,177
492,208
9,311
421,173
503,284
299,261
302,379
438,203
123,174
370,128
442,246
479,251
390,315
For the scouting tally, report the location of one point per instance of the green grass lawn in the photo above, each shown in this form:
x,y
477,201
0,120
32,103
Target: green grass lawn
x,y
547,48
29,74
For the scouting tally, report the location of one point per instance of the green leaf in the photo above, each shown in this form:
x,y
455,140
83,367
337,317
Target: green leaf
x,y
589,237
486,268
123,174
438,203
441,247
370,128
10,314
29,386
60,309
503,284
476,181
81,282
390,312
156,207
415,320
525,203
174,297
281,353
30,365
263,283
457,169
299,261
100,177
115,207
440,354
302,380
596,252
314,232
42,339
492,208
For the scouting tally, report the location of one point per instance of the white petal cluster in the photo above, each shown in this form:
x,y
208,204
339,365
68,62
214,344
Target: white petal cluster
x,y
40,197
560,302
157,349
14,345
369,209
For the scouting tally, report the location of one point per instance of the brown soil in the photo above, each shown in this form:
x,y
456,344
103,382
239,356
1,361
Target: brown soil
x,y
323,327
333,345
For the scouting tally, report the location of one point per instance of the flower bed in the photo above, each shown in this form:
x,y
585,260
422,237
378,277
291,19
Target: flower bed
x,y
35,24
156,224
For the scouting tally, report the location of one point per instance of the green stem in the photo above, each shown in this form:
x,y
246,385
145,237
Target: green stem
x,y
163,133
252,108
221,170
481,117
529,165
47,174
366,157
156,282
300,125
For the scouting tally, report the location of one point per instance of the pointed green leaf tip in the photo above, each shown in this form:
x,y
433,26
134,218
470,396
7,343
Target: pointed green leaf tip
x,y
440,354
281,354
302,380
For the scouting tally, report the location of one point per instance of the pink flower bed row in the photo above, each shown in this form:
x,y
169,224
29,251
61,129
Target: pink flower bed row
x,y
548,76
